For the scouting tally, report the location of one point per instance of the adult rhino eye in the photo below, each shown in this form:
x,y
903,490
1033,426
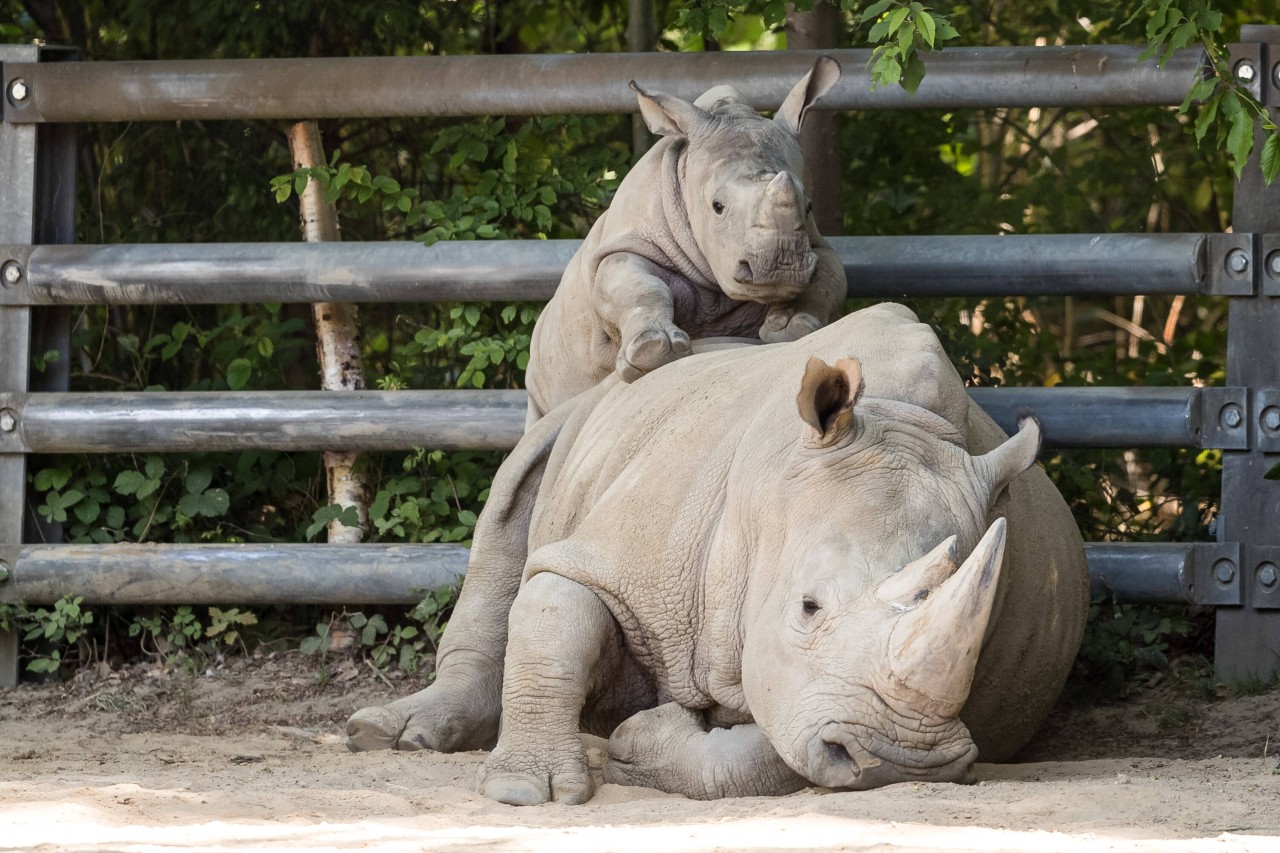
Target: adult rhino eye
x,y
810,606
717,207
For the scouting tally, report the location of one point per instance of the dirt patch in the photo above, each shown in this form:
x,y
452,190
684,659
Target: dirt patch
x,y
248,755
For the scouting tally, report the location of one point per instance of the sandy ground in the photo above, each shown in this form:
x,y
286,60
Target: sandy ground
x,y
248,757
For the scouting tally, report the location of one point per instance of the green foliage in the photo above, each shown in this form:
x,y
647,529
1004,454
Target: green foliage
x,y
403,646
65,624
1119,638
900,32
1227,110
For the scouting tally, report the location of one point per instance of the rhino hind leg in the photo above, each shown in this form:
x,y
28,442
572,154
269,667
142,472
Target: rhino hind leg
x,y
563,642
670,748
462,708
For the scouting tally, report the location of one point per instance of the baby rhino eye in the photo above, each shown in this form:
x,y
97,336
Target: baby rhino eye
x,y
717,207
810,606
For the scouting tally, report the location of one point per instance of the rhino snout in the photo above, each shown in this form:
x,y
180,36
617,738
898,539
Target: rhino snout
x,y
837,760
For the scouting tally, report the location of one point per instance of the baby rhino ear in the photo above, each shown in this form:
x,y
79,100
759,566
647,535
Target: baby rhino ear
x,y
826,398
812,86
667,115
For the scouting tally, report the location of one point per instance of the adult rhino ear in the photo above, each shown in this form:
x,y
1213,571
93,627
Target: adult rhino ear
x,y
820,79
667,115
1014,456
826,398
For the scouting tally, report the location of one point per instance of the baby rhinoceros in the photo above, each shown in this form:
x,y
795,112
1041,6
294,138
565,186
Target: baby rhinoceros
x,y
807,563
709,235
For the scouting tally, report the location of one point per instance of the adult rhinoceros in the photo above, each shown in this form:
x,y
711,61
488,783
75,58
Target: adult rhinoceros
x,y
746,568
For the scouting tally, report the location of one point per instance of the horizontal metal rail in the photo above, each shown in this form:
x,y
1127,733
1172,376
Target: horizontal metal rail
x,y
1123,416
387,87
505,270
397,574
128,574
195,422
129,422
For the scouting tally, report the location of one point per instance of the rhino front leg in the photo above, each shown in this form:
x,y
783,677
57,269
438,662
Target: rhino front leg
x,y
817,306
560,634
670,748
461,709
632,297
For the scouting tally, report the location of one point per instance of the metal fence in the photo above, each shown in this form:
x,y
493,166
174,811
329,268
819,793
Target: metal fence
x,y
41,274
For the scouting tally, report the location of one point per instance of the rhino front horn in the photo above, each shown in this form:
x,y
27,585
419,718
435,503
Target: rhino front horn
x,y
933,649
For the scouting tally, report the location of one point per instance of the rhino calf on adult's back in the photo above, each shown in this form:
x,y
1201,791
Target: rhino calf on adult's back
x,y
709,235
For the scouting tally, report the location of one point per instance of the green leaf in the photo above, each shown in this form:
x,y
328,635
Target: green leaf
x,y
238,372
115,516
928,30
1274,473
1240,140
897,17
1271,158
1199,92
128,482
876,9
913,73
87,511
266,347
1208,115
198,480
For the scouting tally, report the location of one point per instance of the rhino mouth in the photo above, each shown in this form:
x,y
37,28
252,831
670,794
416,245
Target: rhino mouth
x,y
771,276
848,756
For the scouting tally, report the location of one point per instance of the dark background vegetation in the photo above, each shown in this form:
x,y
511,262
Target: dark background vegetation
x,y
960,172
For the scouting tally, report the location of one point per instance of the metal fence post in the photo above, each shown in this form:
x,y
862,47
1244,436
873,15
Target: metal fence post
x,y
37,205
1248,637
17,226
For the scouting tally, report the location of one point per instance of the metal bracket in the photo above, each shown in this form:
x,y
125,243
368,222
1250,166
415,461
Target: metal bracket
x,y
1264,576
1246,63
1269,254
1214,569
8,571
12,439
1266,405
1230,265
15,284
19,93
1219,417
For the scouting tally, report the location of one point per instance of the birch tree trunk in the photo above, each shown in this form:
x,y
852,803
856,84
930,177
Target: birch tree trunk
x,y
337,337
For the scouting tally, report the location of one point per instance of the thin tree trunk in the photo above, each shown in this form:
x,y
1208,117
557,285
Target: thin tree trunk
x,y
337,336
818,29
641,37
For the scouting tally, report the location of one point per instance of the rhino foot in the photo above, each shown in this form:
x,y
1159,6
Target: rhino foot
x,y
532,778
650,349
437,718
669,748
782,325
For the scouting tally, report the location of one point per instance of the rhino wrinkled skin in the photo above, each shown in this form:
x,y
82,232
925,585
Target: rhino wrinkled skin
x,y
757,569
709,235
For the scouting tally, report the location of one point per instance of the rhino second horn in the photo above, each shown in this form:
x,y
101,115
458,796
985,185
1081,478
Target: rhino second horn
x,y
933,650
919,578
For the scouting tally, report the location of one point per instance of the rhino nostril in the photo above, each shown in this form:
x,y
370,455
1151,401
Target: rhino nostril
x,y
839,756
743,273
